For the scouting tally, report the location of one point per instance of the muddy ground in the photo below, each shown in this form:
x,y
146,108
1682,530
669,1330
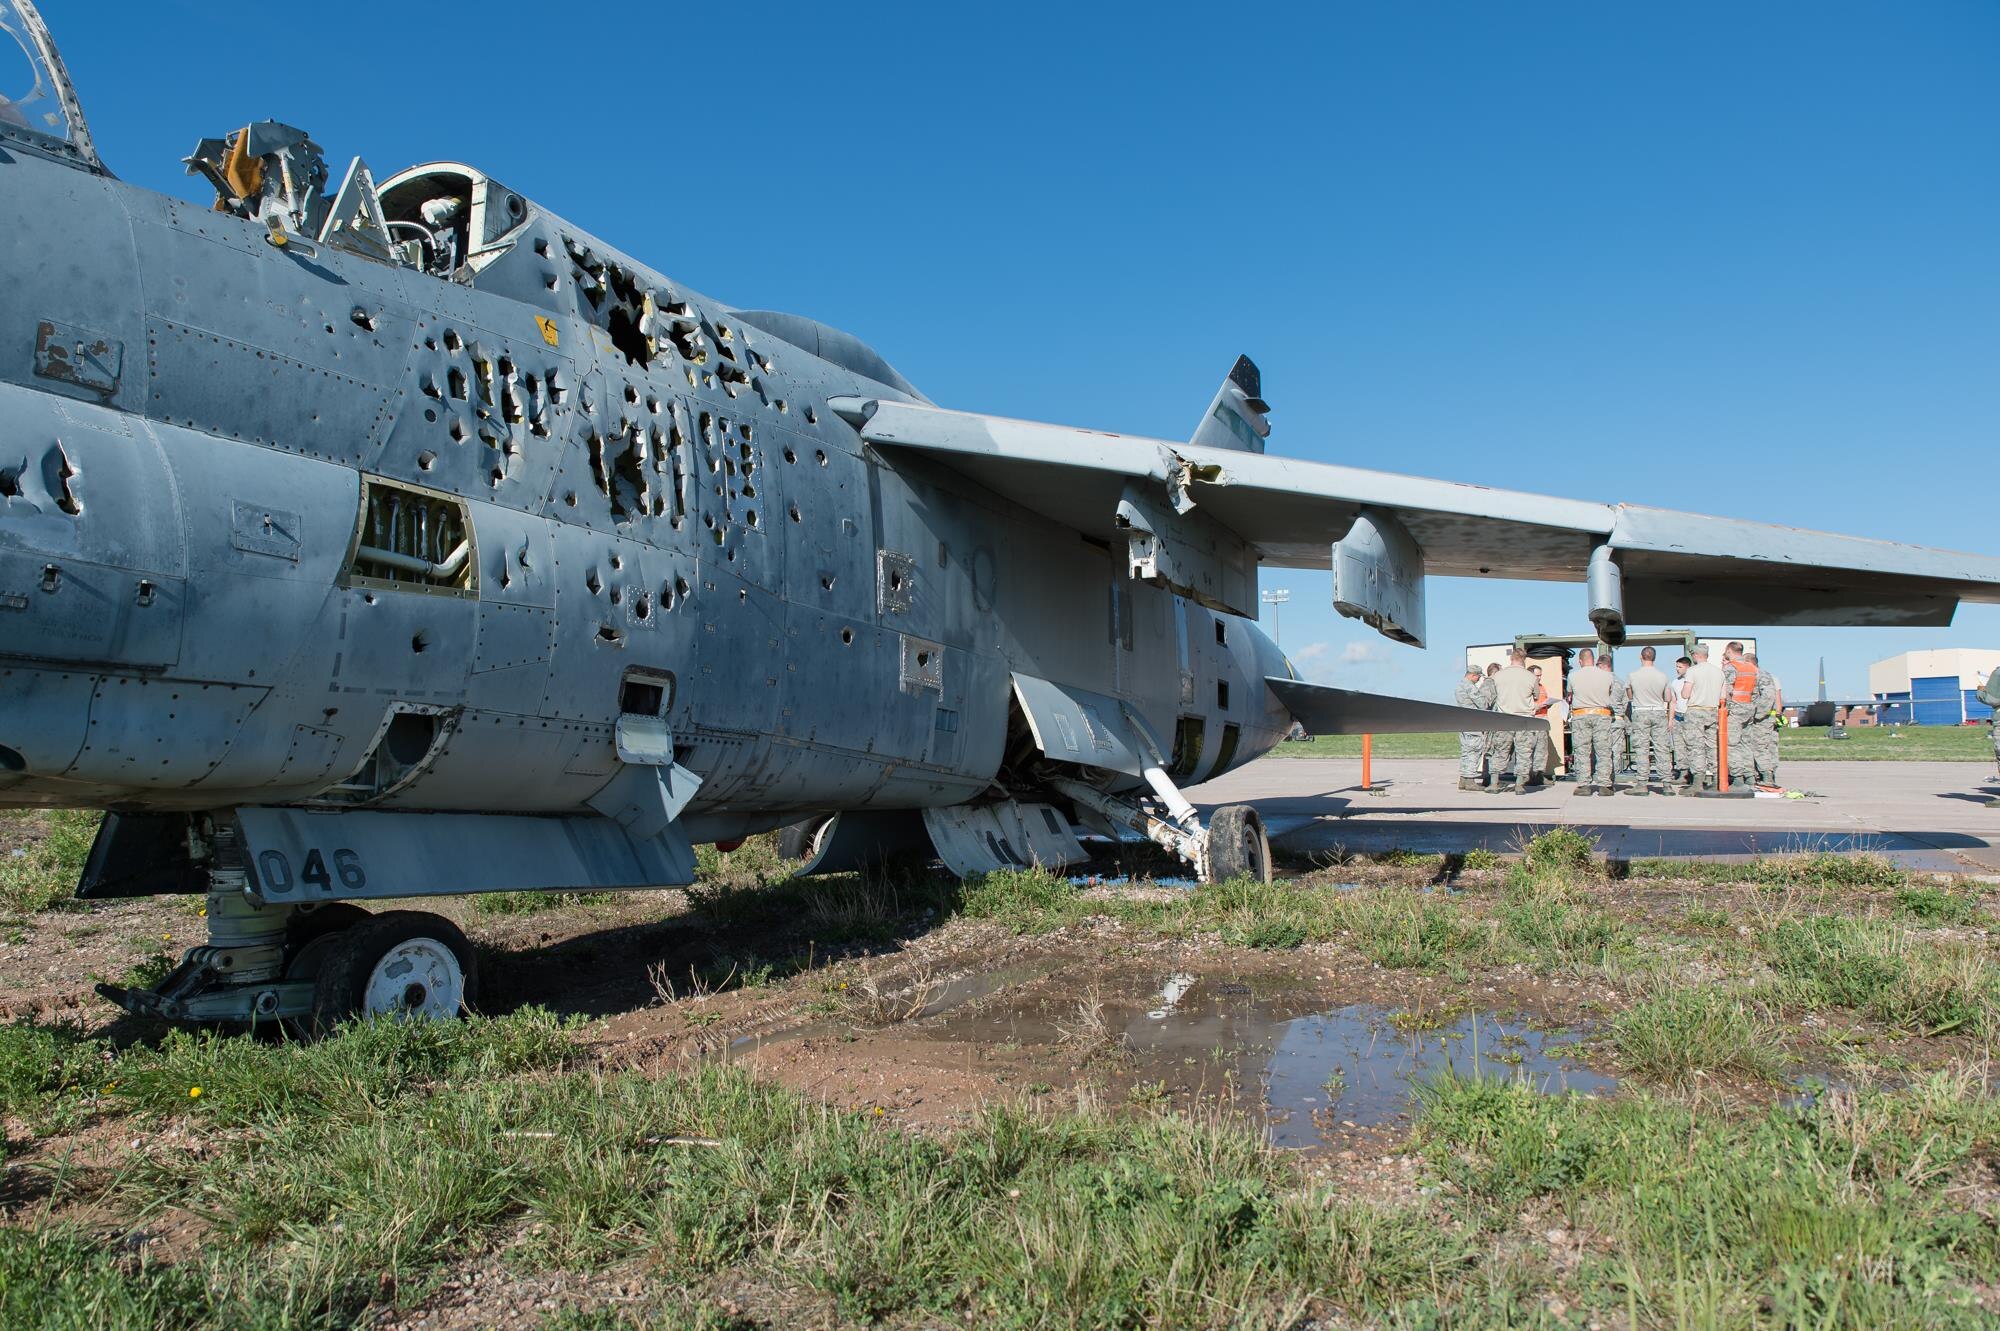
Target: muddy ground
x,y
917,1010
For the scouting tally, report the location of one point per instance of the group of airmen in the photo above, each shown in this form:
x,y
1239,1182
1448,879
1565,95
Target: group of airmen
x,y
1661,724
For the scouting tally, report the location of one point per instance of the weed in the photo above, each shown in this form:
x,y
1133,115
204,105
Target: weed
x,y
1708,917
1481,858
1560,851
48,1074
47,869
1028,901
149,971
1937,904
1403,929
1090,1033
534,902
1828,1217
1673,1034
1874,967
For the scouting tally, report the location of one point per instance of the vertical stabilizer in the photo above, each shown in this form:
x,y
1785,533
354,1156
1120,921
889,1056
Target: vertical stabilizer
x,y
1235,418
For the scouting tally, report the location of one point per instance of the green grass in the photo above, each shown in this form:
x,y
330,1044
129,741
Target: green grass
x,y
63,1279
55,843
534,902
1936,903
1675,1033
341,1185
1838,1216
1882,744
1919,983
1864,744
1814,870
49,1075
1384,746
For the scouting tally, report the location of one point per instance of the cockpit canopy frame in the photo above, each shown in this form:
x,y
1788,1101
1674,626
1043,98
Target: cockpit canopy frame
x,y
45,113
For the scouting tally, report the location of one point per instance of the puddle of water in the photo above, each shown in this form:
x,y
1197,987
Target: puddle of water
x,y
1353,1065
1272,1038
953,993
981,984
1275,1045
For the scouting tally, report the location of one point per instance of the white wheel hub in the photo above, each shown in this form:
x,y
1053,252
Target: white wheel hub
x,y
419,977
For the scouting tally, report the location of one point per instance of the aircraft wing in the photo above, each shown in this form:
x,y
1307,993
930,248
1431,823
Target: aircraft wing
x,y
1324,710
1381,532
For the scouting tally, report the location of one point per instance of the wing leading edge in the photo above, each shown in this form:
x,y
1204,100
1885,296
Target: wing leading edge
x,y
1646,565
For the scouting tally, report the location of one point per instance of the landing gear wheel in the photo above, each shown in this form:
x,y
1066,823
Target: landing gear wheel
x,y
310,935
316,922
1237,846
401,964
800,841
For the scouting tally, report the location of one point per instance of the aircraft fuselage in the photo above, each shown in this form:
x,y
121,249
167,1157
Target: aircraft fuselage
x,y
207,433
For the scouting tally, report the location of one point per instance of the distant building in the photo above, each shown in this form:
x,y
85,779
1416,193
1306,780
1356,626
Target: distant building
x,y
1933,688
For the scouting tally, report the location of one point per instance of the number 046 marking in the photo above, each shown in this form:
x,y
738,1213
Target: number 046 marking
x,y
275,871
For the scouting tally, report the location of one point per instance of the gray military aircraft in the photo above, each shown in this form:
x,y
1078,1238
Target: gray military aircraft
x,y
406,539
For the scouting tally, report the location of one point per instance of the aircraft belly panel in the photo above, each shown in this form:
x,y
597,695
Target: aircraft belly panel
x,y
150,732
498,760
46,715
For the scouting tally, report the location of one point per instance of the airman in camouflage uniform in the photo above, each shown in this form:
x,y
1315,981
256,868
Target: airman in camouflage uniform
x,y
1488,696
1471,743
1621,728
1515,689
1989,693
1762,731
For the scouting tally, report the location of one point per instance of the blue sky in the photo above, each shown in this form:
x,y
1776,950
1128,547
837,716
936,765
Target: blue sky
x,y
1733,258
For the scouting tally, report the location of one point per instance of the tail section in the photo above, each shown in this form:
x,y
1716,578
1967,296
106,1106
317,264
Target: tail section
x,y
1235,418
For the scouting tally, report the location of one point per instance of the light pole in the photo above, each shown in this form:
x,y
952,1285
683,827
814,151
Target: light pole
x,y
1275,598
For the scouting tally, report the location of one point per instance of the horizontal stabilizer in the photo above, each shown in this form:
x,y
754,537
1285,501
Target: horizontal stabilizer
x,y
1330,711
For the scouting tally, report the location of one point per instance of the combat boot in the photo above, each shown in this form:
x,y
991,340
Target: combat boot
x,y
1608,789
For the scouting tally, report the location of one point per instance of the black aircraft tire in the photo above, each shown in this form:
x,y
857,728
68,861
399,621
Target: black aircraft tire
x,y
397,964
1237,846
306,925
795,840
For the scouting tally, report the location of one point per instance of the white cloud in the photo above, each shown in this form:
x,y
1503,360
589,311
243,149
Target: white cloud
x,y
1363,653
1312,651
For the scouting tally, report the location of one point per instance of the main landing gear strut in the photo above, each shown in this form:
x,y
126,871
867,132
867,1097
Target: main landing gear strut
x,y
307,967
1232,845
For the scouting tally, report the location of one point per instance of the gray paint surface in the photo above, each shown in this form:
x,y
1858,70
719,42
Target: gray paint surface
x,y
721,570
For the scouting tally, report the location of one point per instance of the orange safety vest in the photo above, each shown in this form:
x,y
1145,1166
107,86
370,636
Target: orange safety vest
x,y
1743,684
